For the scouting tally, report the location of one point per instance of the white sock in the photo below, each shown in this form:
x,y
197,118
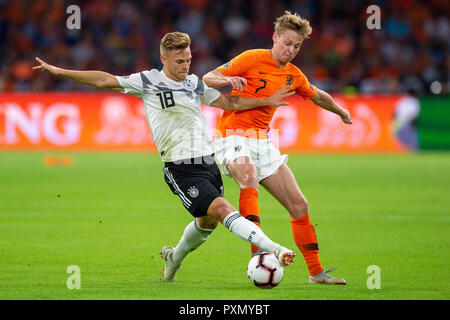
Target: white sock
x,y
192,238
248,231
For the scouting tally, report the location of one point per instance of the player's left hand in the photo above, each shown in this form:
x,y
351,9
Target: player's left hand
x,y
345,116
237,83
275,99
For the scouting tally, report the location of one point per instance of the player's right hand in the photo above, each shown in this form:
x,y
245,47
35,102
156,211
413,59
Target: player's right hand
x,y
237,82
46,67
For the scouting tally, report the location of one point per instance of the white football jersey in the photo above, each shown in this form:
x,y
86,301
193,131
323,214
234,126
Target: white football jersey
x,y
173,112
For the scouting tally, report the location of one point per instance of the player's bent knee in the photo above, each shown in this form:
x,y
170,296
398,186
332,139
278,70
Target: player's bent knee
x,y
220,208
245,178
250,181
207,222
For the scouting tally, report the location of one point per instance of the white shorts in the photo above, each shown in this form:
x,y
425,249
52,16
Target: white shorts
x,y
266,157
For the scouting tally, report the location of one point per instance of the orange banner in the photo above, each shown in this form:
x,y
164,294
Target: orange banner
x,y
93,121
82,121
303,126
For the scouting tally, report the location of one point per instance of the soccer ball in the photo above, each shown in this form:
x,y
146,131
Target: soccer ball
x,y
264,270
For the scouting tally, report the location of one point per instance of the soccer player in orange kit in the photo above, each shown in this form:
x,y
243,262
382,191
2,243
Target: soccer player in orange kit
x,y
243,148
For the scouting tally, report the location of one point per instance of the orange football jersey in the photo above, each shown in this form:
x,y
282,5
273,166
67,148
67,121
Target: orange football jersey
x,y
264,78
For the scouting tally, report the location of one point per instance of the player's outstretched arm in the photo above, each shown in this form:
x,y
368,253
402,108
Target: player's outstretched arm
x,y
97,79
324,100
244,103
215,79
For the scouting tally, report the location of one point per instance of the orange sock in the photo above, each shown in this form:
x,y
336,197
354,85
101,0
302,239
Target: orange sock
x,y
306,240
249,208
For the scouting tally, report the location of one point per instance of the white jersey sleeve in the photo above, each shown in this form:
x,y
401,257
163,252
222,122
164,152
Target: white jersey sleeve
x,y
132,84
209,94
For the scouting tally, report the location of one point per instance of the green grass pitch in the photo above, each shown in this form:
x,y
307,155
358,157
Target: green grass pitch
x,y
114,212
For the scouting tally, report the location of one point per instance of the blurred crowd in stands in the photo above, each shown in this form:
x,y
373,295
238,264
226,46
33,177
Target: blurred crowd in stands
x,y
409,52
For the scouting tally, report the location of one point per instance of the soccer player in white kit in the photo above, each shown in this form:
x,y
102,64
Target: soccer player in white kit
x,y
172,100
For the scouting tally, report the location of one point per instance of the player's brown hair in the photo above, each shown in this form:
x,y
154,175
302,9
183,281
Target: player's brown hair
x,y
174,41
293,22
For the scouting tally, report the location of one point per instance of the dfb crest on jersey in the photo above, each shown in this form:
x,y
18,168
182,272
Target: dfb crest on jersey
x,y
193,192
187,84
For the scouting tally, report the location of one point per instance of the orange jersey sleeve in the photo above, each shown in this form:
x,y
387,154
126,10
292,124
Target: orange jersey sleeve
x,y
264,78
305,89
238,65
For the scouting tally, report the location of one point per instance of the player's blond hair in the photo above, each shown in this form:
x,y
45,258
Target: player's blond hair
x,y
293,22
174,41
